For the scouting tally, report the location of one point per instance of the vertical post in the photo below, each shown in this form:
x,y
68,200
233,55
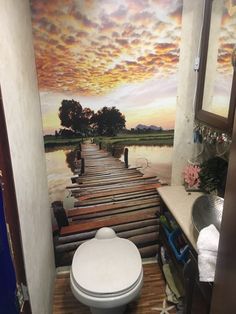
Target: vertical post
x,y
60,214
82,166
74,179
80,147
78,154
100,145
113,150
126,152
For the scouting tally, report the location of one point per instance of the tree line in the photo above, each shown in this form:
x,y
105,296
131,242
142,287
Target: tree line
x,y
76,120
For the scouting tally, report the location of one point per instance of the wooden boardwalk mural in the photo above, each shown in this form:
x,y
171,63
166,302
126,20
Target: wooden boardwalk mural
x,y
107,193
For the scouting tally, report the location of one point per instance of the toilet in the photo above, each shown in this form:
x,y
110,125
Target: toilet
x,y
106,273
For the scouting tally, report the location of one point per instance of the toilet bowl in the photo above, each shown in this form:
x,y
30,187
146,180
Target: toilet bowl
x,y
106,273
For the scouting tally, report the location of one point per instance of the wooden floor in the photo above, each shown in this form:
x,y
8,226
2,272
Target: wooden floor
x,y
109,194
152,295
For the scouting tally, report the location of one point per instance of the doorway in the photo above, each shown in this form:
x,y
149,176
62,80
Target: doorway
x,y
13,289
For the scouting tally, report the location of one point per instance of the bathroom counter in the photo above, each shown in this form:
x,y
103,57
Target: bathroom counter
x,y
179,203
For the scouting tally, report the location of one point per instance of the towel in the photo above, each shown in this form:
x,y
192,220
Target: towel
x,y
207,244
171,281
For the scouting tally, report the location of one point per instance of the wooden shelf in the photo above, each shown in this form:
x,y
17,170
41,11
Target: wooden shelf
x,y
165,244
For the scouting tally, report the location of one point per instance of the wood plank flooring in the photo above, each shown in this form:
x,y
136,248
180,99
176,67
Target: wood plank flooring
x,y
152,294
109,194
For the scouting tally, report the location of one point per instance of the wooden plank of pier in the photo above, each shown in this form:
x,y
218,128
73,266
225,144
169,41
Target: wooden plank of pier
x,y
109,194
108,221
119,190
83,210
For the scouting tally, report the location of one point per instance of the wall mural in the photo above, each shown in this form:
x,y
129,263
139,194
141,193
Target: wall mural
x,y
219,69
224,71
107,53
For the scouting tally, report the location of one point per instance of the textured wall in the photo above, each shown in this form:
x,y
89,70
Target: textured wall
x,y
23,117
192,18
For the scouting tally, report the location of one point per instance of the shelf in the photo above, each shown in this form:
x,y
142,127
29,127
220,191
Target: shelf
x,y
172,257
171,238
197,294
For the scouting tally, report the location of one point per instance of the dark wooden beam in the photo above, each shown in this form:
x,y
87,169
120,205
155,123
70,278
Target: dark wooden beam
x,y
223,297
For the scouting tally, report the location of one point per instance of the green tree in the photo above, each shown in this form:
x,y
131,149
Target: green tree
x,y
108,121
70,113
74,117
87,120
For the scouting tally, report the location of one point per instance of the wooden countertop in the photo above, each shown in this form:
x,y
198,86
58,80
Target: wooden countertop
x,y
180,202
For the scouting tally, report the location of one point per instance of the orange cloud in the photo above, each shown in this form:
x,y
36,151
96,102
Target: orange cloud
x,y
92,49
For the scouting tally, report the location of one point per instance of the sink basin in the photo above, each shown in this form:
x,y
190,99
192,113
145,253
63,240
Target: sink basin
x,y
207,210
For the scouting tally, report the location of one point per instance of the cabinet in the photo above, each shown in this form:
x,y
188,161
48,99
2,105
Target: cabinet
x,y
183,257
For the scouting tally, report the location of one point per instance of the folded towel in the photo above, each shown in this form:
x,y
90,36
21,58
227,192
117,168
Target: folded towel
x,y
207,245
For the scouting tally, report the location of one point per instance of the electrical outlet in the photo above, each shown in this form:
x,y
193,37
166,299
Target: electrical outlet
x,y
196,63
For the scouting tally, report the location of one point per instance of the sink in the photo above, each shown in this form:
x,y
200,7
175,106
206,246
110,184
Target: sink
x,y
206,210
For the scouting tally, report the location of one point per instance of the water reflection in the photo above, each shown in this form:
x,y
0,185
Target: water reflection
x,y
70,160
152,159
60,168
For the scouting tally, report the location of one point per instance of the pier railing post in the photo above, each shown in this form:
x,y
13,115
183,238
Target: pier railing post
x,y
82,166
78,154
80,147
100,145
126,153
60,214
113,151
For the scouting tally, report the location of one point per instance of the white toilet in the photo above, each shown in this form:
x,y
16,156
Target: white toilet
x,y
106,273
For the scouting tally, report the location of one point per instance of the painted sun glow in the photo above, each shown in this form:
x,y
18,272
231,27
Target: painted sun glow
x,y
107,52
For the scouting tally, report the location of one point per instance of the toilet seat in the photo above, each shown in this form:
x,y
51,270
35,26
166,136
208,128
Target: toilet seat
x,y
106,302
107,295
106,266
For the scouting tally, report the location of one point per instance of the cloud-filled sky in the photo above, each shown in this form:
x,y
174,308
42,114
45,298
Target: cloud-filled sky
x,y
227,38
224,70
108,52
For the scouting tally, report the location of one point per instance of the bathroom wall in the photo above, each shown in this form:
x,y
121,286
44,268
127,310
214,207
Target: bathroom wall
x,y
219,78
24,126
106,53
184,148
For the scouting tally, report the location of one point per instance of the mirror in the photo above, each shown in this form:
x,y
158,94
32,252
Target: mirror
x,y
216,88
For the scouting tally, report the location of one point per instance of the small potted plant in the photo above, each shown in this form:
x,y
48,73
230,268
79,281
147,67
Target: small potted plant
x,y
191,177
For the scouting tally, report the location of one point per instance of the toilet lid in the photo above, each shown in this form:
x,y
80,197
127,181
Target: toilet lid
x,y
106,266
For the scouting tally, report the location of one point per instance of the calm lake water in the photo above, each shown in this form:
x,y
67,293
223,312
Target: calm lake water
x,y
152,160
59,172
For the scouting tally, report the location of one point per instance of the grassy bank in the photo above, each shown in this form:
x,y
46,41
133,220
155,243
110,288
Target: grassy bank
x,y
53,141
161,138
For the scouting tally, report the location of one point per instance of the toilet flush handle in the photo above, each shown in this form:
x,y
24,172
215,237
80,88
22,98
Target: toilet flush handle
x,y
105,233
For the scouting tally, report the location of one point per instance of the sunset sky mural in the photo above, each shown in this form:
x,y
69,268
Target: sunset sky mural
x,y
108,53
224,70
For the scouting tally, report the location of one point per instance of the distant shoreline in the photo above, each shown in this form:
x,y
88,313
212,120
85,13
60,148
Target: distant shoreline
x,y
157,138
56,141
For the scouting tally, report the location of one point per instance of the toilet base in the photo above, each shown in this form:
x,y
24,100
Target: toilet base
x,y
114,310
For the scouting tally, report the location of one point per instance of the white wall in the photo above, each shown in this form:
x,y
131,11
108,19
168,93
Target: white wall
x,y
23,118
183,142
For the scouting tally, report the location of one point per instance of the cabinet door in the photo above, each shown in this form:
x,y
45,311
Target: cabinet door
x,y
198,293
